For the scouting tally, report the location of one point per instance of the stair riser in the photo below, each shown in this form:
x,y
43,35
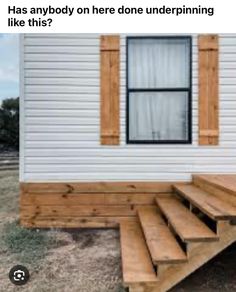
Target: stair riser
x,y
208,187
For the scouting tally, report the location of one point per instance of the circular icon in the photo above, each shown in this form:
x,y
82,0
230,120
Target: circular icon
x,y
19,275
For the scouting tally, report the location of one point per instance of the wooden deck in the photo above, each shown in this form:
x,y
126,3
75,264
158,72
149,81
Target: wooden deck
x,y
164,234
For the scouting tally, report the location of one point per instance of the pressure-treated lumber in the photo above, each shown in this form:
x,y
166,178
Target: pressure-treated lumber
x,y
208,69
221,191
57,199
185,223
81,204
215,208
199,256
74,222
97,187
110,89
79,210
136,262
162,245
225,182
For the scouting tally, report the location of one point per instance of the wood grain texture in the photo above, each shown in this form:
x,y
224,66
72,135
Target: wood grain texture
x,y
67,204
186,224
225,182
208,89
199,255
136,261
220,192
162,245
97,187
215,208
203,96
74,222
78,210
110,43
110,90
52,199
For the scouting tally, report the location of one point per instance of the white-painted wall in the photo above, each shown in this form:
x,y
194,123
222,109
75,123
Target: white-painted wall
x,y
60,118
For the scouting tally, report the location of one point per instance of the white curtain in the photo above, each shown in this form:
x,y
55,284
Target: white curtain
x,y
158,63
158,115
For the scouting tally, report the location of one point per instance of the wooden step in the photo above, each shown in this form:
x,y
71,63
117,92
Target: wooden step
x,y
136,261
162,245
225,182
214,207
221,186
185,223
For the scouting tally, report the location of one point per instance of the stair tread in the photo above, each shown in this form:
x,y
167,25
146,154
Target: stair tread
x,y
161,243
226,182
214,207
185,223
136,260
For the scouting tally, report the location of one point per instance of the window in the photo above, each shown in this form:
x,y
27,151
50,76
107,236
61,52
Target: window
x,y
159,90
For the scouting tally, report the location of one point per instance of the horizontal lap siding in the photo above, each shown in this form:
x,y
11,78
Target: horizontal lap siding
x,y
62,118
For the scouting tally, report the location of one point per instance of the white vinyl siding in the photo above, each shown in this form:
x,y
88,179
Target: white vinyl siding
x,y
61,124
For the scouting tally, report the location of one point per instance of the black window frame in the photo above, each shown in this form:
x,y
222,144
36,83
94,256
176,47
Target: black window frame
x,y
185,89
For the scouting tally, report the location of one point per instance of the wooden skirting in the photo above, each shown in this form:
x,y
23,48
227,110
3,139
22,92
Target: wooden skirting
x,y
153,219
90,205
98,187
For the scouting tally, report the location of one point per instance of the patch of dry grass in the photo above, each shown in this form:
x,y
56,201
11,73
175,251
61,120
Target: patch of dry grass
x,y
28,245
74,267
66,260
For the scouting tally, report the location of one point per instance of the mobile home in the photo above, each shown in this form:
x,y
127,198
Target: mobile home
x,y
136,132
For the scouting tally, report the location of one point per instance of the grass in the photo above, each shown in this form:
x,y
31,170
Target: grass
x,y
58,260
29,246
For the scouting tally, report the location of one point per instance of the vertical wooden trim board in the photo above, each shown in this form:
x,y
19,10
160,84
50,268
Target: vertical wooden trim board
x,y
208,50
110,90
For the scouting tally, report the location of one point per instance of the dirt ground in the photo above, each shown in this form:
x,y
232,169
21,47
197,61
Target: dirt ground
x,y
89,260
